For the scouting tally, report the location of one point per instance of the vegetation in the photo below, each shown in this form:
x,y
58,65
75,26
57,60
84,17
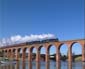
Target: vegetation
x,y
65,57
78,58
1,53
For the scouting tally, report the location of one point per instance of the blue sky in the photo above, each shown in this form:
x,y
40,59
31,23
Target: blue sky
x,y
64,18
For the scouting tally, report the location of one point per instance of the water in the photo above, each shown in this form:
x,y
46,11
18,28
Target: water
x,y
42,65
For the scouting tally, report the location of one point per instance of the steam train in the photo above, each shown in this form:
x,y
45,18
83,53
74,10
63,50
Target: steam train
x,y
34,42
43,41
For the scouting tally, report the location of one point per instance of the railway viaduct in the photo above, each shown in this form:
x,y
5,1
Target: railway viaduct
x,y
10,50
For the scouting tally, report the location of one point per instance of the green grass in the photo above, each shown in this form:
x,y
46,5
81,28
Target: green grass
x,y
78,58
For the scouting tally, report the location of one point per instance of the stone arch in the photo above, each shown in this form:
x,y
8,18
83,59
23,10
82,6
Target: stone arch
x,y
32,56
39,48
75,43
42,54
31,48
52,49
63,49
76,48
9,50
48,47
61,45
14,53
9,53
52,53
24,49
19,53
25,52
5,50
19,49
14,50
33,51
42,50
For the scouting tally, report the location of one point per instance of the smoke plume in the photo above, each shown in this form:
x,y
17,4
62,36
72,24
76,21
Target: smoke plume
x,y
27,38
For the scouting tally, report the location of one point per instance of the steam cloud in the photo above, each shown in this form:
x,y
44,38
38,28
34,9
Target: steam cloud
x,y
19,39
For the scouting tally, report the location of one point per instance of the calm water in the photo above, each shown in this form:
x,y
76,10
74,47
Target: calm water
x,y
52,65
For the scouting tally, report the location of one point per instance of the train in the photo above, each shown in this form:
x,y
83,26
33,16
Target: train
x,y
34,42
43,41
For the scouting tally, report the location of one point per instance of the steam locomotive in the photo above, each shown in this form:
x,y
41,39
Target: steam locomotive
x,y
43,41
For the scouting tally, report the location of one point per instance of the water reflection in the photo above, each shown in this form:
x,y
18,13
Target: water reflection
x,y
58,65
69,65
30,65
23,65
43,65
83,65
17,65
37,65
47,65
7,66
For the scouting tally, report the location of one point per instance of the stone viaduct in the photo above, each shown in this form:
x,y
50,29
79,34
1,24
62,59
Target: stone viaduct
x,y
15,49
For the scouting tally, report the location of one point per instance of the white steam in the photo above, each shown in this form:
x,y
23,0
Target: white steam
x,y
19,39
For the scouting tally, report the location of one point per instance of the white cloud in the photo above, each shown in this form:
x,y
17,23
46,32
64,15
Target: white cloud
x,y
19,39
15,38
